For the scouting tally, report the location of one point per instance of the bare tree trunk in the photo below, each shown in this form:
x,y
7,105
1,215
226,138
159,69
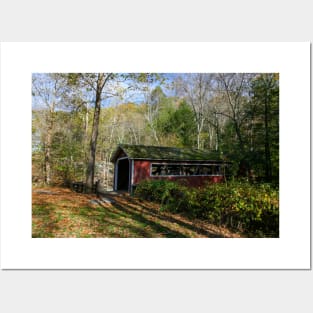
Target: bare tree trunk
x,y
48,143
198,136
233,94
155,135
85,140
150,118
268,163
90,173
198,95
217,131
47,165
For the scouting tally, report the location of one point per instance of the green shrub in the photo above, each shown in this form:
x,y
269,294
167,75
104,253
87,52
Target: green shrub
x,y
252,209
169,194
154,190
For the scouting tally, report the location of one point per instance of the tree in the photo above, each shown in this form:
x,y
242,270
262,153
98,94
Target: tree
x,y
47,91
265,114
79,118
102,86
233,90
97,83
232,87
67,147
153,99
183,125
197,90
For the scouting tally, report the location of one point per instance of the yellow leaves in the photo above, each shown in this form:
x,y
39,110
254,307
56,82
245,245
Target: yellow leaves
x,y
276,76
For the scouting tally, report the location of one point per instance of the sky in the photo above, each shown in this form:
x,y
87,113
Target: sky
x,y
130,95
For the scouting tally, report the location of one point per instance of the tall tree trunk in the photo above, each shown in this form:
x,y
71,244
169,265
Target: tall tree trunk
x,y
200,123
198,137
238,133
217,140
86,122
48,143
47,164
90,173
217,132
268,164
156,138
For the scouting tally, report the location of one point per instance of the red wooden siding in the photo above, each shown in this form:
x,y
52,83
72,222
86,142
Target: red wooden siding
x,y
142,172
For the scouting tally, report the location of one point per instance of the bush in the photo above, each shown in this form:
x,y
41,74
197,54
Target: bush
x,y
168,194
252,209
153,190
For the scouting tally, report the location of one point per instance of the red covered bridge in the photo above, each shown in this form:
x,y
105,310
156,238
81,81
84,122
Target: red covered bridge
x,y
134,163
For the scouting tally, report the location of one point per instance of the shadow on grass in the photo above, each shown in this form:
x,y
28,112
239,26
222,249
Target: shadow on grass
x,y
142,214
131,219
171,219
157,230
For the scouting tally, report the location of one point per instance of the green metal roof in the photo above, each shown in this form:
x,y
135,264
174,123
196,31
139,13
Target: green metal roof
x,y
164,153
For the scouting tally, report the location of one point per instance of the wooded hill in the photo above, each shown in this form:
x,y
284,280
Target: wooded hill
x,y
78,120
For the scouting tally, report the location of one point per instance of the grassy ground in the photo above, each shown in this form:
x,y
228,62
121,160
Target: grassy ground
x,y
59,212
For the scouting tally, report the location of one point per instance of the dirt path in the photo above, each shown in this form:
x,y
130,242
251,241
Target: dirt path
x,y
59,212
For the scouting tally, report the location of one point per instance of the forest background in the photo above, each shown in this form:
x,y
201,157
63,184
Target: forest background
x,y
79,119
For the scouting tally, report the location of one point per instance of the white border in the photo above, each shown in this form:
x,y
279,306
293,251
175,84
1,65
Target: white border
x,y
19,250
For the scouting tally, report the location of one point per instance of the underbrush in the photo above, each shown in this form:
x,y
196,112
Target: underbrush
x,y
252,209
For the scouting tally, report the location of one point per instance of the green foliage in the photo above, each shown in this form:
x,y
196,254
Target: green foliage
x,y
264,110
155,190
252,209
184,125
67,148
257,123
240,119
177,122
164,117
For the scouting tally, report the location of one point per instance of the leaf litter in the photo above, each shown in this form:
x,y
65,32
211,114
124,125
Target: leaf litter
x,y
62,213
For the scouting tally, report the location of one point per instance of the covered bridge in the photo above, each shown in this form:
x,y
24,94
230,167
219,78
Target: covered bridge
x,y
134,163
